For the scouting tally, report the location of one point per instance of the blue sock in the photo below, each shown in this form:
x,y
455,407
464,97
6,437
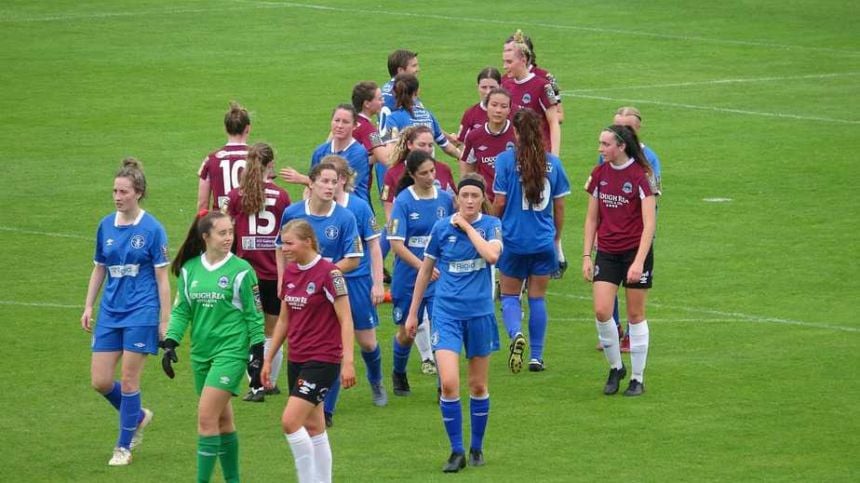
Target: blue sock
x,y
452,418
615,312
373,361
480,409
512,314
114,397
129,416
331,396
401,356
537,326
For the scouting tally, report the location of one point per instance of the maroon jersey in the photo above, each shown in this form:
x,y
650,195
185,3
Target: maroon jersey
x,y
444,180
367,135
313,331
536,93
619,192
222,168
473,118
550,78
255,233
481,148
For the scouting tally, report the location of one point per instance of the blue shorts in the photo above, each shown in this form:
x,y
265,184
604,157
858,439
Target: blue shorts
x,y
142,339
364,314
521,265
480,335
400,309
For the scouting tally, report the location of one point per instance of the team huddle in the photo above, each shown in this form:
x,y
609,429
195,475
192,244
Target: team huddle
x,y
261,278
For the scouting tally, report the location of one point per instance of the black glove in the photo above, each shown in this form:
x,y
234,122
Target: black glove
x,y
168,357
255,364
562,267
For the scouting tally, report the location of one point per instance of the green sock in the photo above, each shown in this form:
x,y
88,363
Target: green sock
x,y
229,456
207,455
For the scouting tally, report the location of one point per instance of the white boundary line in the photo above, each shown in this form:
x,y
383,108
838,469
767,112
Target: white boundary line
x,y
513,23
732,315
715,82
780,115
46,233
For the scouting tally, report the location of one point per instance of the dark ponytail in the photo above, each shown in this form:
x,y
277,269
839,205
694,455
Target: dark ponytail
x,y
194,244
405,90
413,161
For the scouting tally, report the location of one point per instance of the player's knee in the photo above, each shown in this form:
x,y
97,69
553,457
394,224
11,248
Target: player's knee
x,y
478,388
130,383
101,384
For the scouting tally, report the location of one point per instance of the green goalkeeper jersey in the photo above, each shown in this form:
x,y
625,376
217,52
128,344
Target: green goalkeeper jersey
x,y
221,303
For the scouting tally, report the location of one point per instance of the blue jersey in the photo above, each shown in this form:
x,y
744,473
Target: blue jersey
x,y
389,103
465,286
528,228
411,221
130,254
400,119
358,160
654,161
368,229
336,231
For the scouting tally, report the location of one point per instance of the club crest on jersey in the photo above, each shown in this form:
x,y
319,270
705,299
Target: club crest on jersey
x,y
398,314
137,241
440,212
482,233
627,188
527,98
331,232
311,288
223,281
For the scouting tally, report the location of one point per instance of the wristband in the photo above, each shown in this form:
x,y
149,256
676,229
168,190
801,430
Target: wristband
x,y
588,255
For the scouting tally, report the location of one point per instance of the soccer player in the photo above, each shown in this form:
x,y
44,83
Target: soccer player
x,y
621,215
530,188
256,206
533,68
401,61
218,297
419,204
131,253
632,118
474,117
484,143
342,143
528,90
315,319
364,284
367,101
219,173
464,246
409,111
335,227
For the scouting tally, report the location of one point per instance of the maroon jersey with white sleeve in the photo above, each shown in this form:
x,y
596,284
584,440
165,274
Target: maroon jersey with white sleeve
x,y
222,168
309,291
532,92
619,191
481,148
473,118
255,233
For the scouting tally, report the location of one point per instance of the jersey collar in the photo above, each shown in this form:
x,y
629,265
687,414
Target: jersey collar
x,y
134,223
308,209
623,166
503,131
525,79
416,197
331,146
310,264
216,266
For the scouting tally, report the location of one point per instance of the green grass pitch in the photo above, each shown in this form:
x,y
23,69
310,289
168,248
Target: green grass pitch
x,y
754,329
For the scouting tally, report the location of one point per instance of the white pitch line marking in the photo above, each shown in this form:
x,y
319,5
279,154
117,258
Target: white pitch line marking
x,y
716,200
716,82
733,315
45,233
747,112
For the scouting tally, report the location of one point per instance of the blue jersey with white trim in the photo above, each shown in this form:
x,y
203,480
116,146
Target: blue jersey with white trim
x,y
358,160
130,254
465,287
528,228
412,219
400,119
368,229
336,231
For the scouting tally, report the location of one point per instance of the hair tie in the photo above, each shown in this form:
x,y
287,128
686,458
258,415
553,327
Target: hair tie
x,y
470,182
202,213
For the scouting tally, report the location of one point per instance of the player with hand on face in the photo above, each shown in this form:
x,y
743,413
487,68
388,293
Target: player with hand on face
x,y
218,298
315,320
131,254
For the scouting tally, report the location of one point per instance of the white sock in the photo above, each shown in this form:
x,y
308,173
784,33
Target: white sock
x,y
322,457
607,332
303,454
422,339
277,361
638,349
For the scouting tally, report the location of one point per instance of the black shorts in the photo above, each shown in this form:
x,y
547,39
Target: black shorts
x,y
612,268
269,297
311,380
